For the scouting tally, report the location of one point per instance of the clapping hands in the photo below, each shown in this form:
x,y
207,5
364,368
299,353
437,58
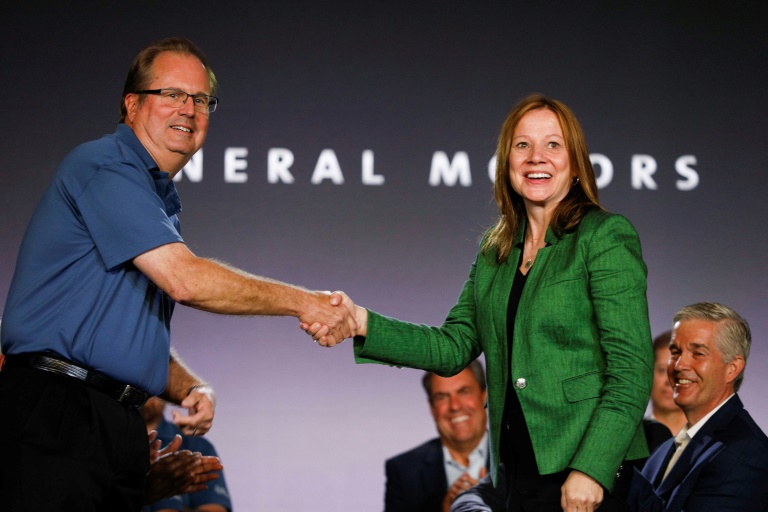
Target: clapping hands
x,y
173,471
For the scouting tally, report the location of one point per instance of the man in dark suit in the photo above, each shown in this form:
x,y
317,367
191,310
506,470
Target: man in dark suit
x,y
719,460
429,477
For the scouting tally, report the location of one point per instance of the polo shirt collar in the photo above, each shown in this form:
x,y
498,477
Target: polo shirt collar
x,y
127,137
165,188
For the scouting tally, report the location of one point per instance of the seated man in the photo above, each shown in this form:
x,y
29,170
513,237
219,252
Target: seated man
x,y
428,477
663,406
719,459
214,498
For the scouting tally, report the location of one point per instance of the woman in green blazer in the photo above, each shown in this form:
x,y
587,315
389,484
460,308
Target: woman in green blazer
x,y
556,301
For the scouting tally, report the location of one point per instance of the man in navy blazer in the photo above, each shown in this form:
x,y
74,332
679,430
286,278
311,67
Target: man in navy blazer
x,y
430,476
719,460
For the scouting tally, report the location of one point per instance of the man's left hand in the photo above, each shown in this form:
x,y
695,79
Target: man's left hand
x,y
201,403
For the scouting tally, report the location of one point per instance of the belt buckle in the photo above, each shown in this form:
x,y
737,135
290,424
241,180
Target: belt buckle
x,y
132,396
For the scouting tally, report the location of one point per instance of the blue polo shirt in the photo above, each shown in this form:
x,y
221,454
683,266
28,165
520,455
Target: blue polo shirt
x,y
75,290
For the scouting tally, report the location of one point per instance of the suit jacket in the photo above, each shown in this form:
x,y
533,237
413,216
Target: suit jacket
x,y
724,467
582,358
416,480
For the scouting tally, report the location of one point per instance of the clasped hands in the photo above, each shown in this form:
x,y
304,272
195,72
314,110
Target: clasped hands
x,y
332,318
464,482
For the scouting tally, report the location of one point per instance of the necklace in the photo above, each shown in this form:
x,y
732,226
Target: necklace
x,y
534,249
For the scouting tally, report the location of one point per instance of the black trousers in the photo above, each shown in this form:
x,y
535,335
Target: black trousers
x,y
542,493
527,490
65,446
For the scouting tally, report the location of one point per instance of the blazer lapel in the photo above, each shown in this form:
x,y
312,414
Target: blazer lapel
x,y
498,349
535,274
702,447
681,467
432,472
502,284
506,274
539,269
653,470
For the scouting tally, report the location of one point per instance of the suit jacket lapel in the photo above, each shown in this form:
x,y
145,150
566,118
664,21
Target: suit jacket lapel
x,y
502,284
702,447
432,471
506,274
539,269
654,467
535,275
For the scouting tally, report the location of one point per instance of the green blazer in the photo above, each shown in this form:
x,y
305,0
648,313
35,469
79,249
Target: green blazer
x,y
582,360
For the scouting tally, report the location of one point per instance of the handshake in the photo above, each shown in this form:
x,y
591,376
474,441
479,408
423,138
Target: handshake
x,y
330,318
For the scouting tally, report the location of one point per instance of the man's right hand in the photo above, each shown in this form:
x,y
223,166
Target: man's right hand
x,y
463,483
331,319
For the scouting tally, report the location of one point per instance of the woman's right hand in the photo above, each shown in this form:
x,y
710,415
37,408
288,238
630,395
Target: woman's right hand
x,y
319,332
580,493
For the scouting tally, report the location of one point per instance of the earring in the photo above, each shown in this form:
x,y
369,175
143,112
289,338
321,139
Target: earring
x,y
575,181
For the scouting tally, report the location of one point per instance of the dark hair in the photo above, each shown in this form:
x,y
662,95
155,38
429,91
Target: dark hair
x,y
581,198
139,76
733,337
661,341
477,371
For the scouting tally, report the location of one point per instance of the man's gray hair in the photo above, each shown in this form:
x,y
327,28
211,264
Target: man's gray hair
x,y
733,337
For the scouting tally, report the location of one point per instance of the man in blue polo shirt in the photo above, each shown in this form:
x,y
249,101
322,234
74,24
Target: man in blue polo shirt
x,y
86,324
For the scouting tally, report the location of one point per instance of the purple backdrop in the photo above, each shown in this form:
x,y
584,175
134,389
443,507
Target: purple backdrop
x,y
671,97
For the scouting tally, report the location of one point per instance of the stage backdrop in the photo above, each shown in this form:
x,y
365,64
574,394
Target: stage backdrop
x,y
351,150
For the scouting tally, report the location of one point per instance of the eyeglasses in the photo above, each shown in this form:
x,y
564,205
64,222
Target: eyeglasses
x,y
176,98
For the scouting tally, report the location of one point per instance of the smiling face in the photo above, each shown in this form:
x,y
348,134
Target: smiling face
x,y
458,407
539,167
699,377
170,134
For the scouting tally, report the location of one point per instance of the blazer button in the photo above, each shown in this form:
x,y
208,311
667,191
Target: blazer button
x,y
520,383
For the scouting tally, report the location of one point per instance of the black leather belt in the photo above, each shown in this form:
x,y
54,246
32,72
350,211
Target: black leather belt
x,y
123,393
